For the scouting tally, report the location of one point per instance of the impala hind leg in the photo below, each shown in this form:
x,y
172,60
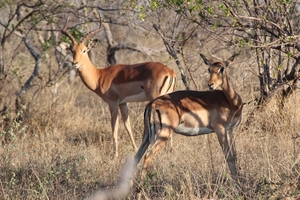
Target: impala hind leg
x,y
124,111
158,145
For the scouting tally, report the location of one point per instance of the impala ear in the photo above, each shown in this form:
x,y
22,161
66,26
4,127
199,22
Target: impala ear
x,y
91,44
65,45
206,61
229,60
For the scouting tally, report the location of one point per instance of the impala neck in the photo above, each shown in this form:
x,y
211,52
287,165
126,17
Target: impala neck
x,y
233,98
89,75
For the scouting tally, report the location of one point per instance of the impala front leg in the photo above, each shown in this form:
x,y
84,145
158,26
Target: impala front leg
x,y
113,108
231,153
124,111
227,147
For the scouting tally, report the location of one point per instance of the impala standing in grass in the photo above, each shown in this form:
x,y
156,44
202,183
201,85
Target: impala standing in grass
x,y
193,113
119,84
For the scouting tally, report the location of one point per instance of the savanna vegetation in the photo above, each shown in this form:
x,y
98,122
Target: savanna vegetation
x,y
55,134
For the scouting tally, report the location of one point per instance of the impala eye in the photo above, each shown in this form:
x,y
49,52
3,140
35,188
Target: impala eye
x,y
221,69
84,51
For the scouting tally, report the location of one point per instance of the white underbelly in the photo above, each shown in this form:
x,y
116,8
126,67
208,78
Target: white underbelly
x,y
141,97
187,131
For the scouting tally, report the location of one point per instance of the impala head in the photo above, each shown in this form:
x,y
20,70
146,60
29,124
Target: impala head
x,y
217,71
80,50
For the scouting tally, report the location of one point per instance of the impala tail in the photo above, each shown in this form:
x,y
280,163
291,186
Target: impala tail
x,y
150,130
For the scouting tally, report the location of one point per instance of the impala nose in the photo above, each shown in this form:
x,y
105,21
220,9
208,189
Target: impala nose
x,y
210,86
75,64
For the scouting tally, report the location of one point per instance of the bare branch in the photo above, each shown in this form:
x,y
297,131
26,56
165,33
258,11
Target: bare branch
x,y
172,52
36,70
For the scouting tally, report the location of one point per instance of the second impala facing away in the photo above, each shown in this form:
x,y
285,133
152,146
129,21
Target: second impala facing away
x,y
119,84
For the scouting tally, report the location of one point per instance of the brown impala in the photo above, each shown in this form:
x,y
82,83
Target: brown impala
x,y
193,113
119,84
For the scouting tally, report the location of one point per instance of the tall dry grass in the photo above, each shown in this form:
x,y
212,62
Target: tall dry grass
x,y
63,150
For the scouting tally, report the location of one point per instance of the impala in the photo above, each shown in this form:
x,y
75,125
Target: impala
x,y
119,84
193,113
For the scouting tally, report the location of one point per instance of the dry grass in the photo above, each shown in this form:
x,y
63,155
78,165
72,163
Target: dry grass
x,y
63,150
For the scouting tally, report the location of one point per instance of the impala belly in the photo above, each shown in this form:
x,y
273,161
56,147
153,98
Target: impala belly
x,y
188,131
194,123
140,97
132,92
